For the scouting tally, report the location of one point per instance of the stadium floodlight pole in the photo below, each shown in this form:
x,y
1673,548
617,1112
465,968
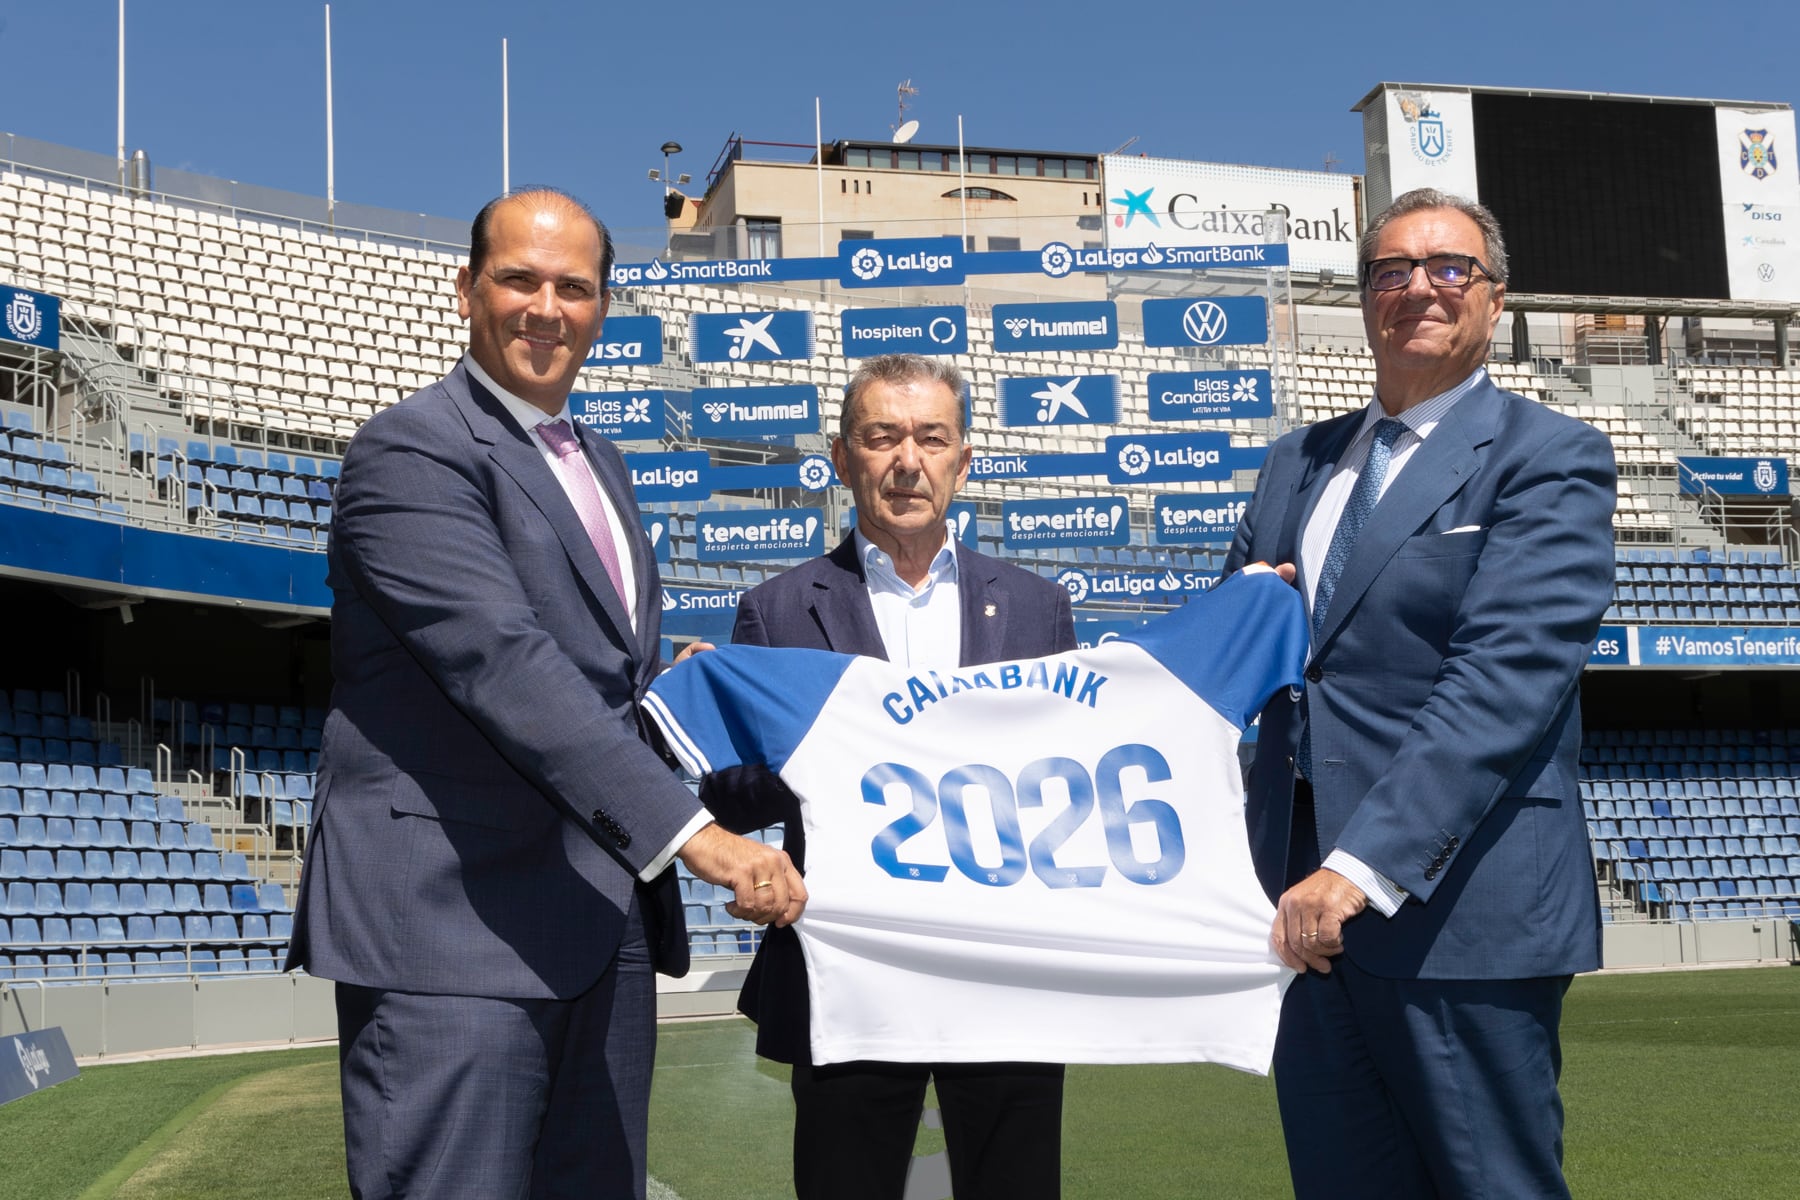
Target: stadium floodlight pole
x,y
122,164
330,147
962,180
819,169
505,125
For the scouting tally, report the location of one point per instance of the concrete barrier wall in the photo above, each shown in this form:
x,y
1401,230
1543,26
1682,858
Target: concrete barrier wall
x,y
103,1020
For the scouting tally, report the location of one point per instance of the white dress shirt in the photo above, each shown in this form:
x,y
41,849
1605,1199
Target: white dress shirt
x,y
528,417
1385,896
919,626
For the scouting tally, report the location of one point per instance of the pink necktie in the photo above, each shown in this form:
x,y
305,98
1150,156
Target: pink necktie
x,y
578,482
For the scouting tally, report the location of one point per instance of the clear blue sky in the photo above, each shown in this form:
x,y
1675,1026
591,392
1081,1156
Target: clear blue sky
x,y
236,87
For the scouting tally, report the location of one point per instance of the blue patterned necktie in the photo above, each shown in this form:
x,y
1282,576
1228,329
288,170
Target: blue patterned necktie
x,y
1356,513
1343,539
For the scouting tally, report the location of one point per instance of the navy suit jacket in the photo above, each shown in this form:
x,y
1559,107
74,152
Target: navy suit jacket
x,y
1442,691
486,797
1007,613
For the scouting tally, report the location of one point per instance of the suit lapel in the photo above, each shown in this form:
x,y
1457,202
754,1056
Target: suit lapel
x,y
984,613
515,452
609,466
1435,473
841,604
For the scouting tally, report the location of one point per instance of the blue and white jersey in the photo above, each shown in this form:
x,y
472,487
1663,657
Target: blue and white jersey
x,y
1042,860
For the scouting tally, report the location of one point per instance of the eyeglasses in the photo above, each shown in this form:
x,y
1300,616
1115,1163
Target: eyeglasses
x,y
1442,270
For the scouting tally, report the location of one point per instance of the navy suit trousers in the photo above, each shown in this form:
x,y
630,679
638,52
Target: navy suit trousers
x,y
496,1099
1417,1088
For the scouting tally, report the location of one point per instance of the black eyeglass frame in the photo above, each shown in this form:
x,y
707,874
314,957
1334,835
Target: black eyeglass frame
x,y
1471,263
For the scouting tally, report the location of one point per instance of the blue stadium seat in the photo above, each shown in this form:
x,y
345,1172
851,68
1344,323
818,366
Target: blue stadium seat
x,y
273,899
152,864
46,900
255,927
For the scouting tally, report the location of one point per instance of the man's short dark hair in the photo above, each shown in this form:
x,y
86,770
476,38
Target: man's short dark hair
x,y
902,368
478,231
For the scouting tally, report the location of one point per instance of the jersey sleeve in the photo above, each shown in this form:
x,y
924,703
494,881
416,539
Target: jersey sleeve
x,y
1236,645
742,704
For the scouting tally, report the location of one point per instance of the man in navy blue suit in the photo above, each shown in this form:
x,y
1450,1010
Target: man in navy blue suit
x,y
903,588
1414,813
489,878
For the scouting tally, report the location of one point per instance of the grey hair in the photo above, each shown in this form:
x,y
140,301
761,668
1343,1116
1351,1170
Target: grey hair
x,y
902,368
1493,244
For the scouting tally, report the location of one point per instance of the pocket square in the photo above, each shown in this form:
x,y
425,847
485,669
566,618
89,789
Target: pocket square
x,y
1461,529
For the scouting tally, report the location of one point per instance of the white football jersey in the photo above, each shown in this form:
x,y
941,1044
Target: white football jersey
x,y
1042,860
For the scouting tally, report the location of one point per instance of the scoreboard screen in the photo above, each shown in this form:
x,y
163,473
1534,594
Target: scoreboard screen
x,y
1603,197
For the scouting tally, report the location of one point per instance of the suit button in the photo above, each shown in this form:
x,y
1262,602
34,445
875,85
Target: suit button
x,y
1314,674
1453,843
1290,762
1431,873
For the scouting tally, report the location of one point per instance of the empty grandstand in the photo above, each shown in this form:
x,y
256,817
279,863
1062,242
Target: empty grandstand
x,y
171,438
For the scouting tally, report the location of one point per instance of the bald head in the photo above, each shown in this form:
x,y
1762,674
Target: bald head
x,y
536,198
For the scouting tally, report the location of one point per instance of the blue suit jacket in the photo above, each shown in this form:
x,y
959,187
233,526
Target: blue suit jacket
x,y
485,795
1442,691
1007,613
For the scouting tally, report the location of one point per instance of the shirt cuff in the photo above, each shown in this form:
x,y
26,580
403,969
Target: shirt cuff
x,y
666,855
1385,897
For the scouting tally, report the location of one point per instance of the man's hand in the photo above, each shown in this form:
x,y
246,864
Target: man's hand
x,y
1310,917
769,889
1286,571
692,648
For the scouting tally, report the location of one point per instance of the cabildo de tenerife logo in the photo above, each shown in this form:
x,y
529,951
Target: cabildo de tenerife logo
x,y
29,317
1756,153
23,320
767,532
1430,138
1763,476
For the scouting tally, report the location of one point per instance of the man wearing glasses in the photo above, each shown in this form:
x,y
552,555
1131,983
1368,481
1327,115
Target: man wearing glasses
x,y
1414,813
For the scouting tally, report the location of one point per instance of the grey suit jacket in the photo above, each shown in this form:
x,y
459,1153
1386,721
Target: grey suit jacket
x,y
486,796
1007,613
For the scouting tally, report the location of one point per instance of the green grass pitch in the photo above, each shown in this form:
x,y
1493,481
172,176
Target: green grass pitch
x,y
1679,1085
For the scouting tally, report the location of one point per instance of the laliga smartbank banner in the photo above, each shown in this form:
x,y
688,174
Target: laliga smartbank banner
x,y
1760,191
1174,202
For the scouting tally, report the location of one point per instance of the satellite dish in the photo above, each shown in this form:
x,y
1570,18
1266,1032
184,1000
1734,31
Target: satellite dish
x,y
906,132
